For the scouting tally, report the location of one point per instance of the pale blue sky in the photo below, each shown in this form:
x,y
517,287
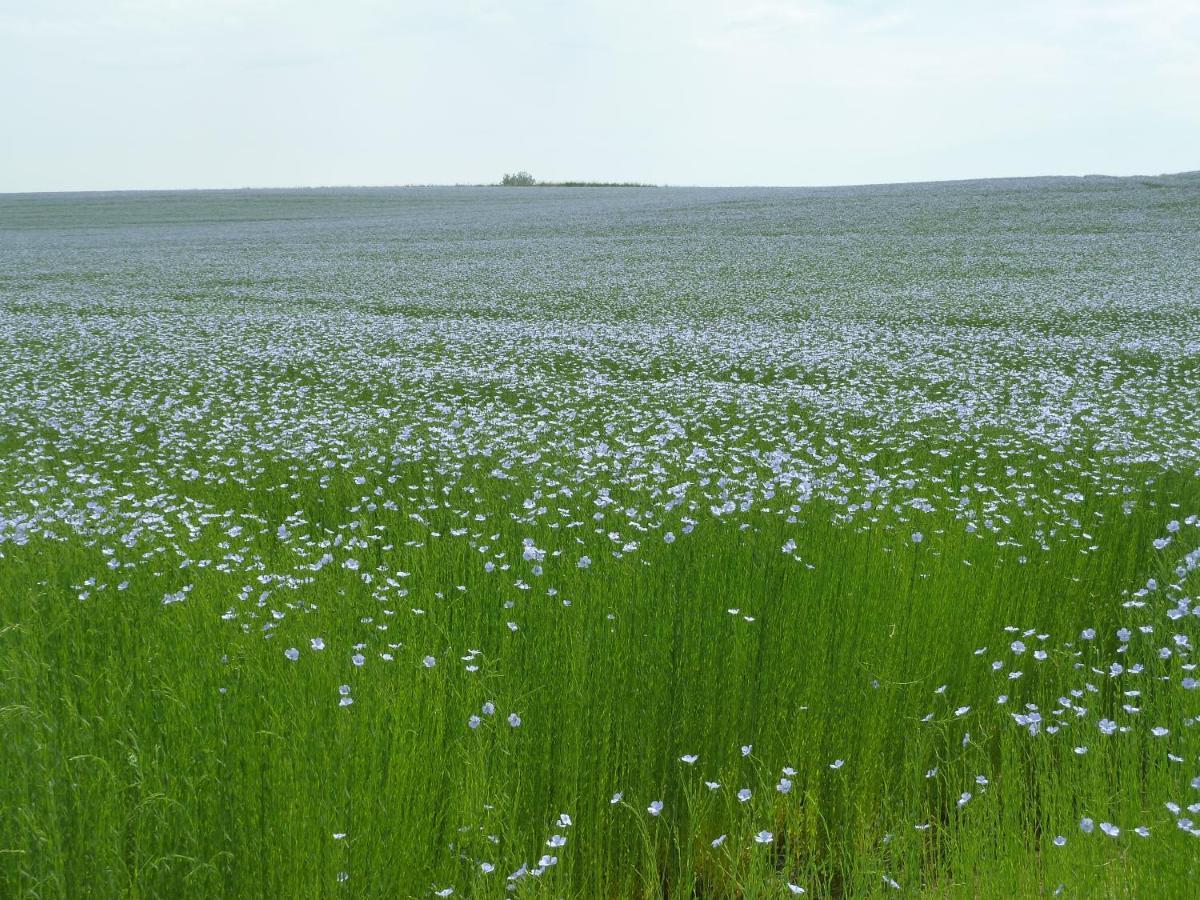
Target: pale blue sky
x,y
101,94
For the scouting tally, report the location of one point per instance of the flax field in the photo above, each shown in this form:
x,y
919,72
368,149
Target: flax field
x,y
602,543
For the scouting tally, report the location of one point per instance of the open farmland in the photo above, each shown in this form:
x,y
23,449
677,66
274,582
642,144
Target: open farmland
x,y
601,542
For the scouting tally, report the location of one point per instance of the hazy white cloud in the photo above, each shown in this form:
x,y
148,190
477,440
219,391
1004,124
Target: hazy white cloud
x,y
155,93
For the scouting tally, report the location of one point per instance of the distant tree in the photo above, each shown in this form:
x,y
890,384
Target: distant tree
x,y
518,179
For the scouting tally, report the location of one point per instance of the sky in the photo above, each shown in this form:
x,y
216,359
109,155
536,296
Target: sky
x,y
132,94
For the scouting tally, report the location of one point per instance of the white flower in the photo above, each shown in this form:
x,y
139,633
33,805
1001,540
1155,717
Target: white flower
x,y
764,837
358,659
616,798
743,795
429,662
317,643
795,888
556,840
689,758
837,764
718,841
292,653
655,808
514,720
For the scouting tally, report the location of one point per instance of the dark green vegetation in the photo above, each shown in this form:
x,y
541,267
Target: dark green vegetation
x,y
877,504
524,179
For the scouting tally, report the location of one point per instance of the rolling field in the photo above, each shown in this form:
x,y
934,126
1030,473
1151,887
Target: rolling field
x,y
602,543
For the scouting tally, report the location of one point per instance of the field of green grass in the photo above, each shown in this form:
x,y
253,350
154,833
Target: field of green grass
x,y
716,543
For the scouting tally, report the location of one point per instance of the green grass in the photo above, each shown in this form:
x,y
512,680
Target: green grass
x,y
140,777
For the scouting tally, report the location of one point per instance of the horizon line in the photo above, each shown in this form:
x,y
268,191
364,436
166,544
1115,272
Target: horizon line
x,y
575,184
